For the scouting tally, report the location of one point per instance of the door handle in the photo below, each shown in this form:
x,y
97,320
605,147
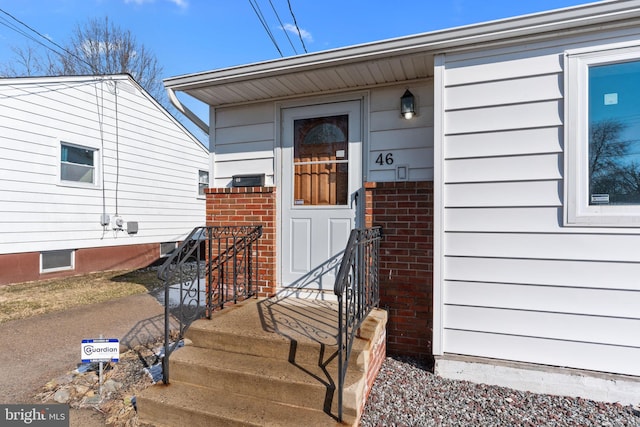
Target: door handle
x,y
355,197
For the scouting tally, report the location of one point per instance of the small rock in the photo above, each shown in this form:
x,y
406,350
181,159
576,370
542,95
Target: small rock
x,y
82,389
111,386
64,379
62,396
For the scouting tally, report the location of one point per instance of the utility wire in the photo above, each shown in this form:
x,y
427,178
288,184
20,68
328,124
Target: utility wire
x,y
42,36
263,21
286,33
296,24
11,26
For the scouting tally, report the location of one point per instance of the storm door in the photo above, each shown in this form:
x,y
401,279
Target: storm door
x,y
321,181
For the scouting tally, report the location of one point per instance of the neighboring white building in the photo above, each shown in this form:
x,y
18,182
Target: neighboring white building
x,y
536,257
94,175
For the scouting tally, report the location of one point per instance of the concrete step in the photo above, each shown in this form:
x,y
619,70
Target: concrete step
x,y
202,333
310,386
268,362
180,404
297,331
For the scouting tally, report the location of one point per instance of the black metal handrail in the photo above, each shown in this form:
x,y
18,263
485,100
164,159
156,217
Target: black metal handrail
x,y
358,293
213,266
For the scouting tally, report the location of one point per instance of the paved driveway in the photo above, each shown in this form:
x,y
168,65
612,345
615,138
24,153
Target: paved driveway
x,y
36,350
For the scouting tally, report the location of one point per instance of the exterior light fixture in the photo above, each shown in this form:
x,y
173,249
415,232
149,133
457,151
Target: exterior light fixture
x,y
407,105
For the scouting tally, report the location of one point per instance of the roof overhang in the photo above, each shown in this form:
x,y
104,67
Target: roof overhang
x,y
391,61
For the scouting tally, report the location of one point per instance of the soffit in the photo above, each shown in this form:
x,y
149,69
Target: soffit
x,y
321,79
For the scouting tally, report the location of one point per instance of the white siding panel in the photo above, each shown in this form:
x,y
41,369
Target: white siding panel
x,y
478,68
248,133
390,120
531,193
584,247
539,114
557,326
493,169
536,88
399,139
388,98
545,272
581,355
239,150
507,143
511,220
240,116
592,302
242,156
228,169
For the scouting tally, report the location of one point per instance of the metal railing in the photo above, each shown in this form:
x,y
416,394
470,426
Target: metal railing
x,y
358,293
213,266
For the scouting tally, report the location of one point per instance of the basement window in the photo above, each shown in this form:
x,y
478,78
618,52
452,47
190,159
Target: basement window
x,y
60,260
167,248
602,137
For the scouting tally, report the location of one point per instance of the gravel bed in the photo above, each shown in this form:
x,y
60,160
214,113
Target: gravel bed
x,y
406,393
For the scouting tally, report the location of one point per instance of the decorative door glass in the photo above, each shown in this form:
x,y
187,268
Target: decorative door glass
x,y
320,159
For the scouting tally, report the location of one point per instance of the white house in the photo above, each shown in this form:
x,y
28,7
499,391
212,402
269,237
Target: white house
x,y
94,175
511,224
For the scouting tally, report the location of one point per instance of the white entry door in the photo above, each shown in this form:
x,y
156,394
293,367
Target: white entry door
x,y
321,181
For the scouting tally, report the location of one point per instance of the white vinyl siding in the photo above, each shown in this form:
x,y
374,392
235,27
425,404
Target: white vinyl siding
x,y
409,142
138,157
516,283
244,143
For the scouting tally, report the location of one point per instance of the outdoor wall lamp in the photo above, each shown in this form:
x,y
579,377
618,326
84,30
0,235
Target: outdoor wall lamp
x,y
407,105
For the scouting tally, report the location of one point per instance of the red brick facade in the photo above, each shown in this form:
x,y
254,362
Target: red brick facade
x,y
249,206
405,212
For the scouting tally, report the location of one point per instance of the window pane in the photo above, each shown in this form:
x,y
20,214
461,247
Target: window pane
x,y
614,134
76,173
77,164
167,248
78,155
57,260
203,181
320,157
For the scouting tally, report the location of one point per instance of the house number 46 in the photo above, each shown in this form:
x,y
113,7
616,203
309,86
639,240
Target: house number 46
x,y
384,159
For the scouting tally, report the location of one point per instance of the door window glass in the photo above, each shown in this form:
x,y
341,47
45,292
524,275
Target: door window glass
x,y
320,159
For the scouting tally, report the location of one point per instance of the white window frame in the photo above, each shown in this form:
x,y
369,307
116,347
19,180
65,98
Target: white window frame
x,y
203,194
577,211
96,166
70,267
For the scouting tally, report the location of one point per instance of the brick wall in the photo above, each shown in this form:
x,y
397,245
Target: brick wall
x,y
249,206
405,212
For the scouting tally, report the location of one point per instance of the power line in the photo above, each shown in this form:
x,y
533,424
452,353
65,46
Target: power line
x,y
286,33
295,22
263,21
33,30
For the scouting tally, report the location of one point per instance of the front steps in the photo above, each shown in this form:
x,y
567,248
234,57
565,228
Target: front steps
x,y
270,362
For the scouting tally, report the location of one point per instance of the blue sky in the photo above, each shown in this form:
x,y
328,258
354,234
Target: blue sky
x,y
188,36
